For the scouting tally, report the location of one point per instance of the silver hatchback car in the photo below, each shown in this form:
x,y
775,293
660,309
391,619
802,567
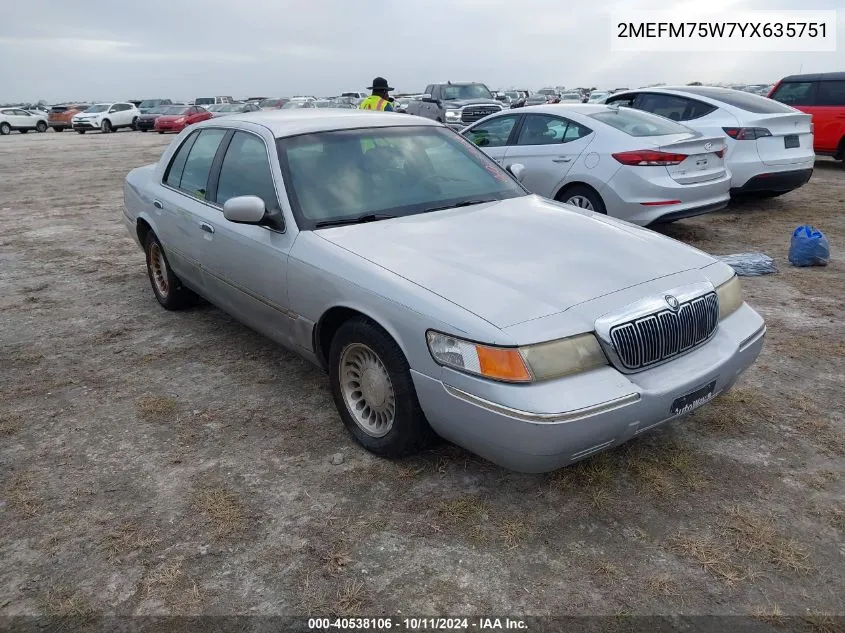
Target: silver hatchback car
x,y
439,295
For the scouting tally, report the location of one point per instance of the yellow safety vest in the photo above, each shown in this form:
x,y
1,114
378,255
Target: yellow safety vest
x,y
373,103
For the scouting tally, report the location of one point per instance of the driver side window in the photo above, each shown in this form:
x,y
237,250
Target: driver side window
x,y
493,133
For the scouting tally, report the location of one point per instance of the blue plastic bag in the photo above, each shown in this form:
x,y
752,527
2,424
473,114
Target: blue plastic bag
x,y
808,247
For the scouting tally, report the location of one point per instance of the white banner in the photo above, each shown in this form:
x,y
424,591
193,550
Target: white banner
x,y
717,31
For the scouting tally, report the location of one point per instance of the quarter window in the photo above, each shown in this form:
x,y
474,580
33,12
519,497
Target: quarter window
x,y
246,171
493,133
626,100
541,129
831,93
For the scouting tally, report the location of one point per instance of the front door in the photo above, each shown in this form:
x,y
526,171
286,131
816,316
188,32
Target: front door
x,y
245,265
493,134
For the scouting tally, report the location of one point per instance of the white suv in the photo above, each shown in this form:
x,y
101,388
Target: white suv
x,y
106,117
21,120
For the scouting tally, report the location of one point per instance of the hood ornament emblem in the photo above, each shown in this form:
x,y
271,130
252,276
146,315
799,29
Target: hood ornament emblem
x,y
672,302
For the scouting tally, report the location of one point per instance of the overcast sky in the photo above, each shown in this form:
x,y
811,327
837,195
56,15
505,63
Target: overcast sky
x,y
111,49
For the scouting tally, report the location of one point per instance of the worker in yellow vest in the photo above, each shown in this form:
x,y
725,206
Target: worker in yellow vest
x,y
379,100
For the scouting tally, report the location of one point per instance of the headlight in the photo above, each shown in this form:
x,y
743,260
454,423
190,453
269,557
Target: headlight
x,y
730,297
453,115
511,364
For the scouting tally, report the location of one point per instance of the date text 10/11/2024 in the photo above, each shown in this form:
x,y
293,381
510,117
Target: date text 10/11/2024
x,y
416,624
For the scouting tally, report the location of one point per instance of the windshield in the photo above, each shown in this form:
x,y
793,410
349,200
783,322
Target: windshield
x,y
203,100
232,107
173,110
638,123
391,171
292,105
149,103
158,110
465,91
100,107
269,103
546,91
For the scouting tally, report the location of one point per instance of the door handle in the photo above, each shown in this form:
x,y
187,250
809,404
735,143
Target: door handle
x,y
157,204
205,226
562,159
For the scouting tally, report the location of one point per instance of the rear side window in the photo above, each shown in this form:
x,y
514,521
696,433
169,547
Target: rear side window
x,y
177,165
831,93
795,93
541,129
744,101
622,100
634,123
190,166
246,171
673,107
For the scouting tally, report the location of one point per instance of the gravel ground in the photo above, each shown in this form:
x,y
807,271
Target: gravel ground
x,y
178,463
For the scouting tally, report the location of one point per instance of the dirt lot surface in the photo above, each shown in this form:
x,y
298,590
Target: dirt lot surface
x,y
178,463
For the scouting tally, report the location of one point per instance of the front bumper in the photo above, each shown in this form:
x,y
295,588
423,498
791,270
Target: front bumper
x,y
145,124
85,125
168,127
522,429
776,182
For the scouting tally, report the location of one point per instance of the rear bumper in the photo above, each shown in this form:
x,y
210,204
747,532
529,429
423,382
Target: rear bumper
x,y
690,212
777,182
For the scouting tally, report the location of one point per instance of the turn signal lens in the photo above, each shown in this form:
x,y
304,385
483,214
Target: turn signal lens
x,y
730,297
497,363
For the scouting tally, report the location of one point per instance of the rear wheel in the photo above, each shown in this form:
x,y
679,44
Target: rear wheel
x,y
373,391
167,287
583,197
41,126
5,129
58,129
106,127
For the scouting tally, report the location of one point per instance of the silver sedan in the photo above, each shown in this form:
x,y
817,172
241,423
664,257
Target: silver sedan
x,y
439,295
630,164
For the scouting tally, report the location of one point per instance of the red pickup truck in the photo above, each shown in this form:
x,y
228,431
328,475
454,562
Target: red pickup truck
x,y
823,96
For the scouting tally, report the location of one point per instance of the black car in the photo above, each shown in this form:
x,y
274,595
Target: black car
x,y
147,120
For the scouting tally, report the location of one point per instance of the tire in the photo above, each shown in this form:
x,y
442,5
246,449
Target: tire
x,y
106,127
583,197
5,129
134,125
144,130
23,130
80,131
395,431
41,127
161,132
167,287
58,129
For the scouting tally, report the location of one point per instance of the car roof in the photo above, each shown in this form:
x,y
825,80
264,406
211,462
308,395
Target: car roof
x,y
839,76
562,108
307,121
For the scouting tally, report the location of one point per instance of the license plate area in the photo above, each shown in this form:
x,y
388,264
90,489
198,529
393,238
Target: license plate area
x,y
694,399
791,141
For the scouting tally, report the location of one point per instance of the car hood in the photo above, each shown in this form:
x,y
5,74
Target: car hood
x,y
466,102
149,115
519,259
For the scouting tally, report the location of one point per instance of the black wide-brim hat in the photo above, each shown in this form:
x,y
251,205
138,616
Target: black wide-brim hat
x,y
380,83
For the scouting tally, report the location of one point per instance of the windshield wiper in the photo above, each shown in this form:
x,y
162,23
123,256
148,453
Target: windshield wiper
x,y
462,203
360,219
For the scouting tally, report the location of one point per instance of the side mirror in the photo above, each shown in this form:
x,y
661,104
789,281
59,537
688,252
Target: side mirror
x,y
517,170
244,209
427,98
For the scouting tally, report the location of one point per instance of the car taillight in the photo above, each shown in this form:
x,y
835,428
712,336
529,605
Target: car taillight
x,y
720,152
649,158
746,133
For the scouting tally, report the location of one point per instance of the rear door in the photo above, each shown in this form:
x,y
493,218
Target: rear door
x,y
181,207
547,146
493,135
23,119
245,265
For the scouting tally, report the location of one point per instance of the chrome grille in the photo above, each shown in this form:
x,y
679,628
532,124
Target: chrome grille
x,y
660,336
471,114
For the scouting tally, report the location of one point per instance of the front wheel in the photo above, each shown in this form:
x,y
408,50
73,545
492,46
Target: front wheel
x,y
80,131
584,198
167,287
41,126
105,126
373,391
